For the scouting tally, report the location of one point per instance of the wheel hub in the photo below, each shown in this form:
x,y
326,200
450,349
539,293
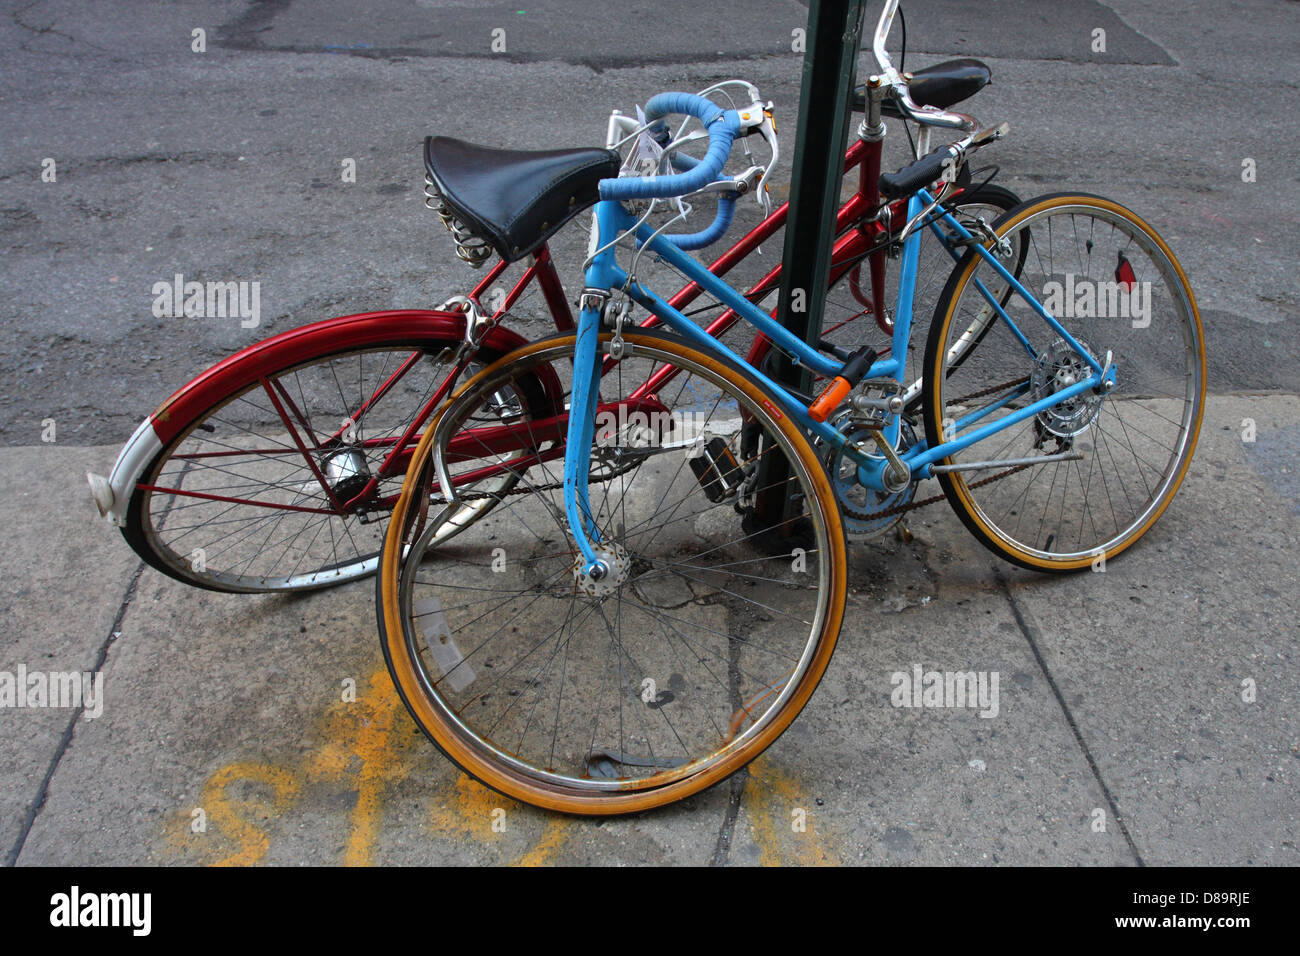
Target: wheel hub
x,y
1058,368
347,473
614,564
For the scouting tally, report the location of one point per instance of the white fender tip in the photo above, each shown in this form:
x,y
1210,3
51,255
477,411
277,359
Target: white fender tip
x,y
102,493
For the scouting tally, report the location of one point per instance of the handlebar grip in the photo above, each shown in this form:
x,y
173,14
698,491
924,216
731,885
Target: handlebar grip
x,y
686,104
917,175
723,125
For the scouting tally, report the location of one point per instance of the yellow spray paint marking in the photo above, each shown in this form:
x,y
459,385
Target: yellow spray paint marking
x,y
469,809
366,742
361,745
770,797
553,837
232,815
368,726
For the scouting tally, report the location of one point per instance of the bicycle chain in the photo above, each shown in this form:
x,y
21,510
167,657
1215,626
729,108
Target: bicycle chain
x,y
935,499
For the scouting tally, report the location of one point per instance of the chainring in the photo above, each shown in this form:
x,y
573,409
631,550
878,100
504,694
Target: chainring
x,y
865,511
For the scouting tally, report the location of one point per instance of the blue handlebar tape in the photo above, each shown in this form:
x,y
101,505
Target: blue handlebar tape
x,y
723,126
707,237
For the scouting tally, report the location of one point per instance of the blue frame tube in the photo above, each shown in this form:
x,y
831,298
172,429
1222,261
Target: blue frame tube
x,y
583,400
707,343
921,461
688,266
1001,270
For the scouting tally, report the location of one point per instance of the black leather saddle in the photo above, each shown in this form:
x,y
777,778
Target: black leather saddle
x,y
941,86
516,199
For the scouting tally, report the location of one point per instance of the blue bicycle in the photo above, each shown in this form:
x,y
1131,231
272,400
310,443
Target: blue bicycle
x,y
658,586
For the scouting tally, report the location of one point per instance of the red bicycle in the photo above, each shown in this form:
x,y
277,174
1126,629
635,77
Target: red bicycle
x,y
275,469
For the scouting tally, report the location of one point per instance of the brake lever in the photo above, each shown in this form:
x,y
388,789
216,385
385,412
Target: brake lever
x,y
740,184
768,131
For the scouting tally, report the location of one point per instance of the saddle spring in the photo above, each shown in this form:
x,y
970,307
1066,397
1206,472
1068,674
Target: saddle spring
x,y
469,247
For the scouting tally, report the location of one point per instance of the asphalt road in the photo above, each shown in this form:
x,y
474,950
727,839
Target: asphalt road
x,y
226,164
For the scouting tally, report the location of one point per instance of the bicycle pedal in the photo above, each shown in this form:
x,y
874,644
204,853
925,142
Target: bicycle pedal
x,y
717,470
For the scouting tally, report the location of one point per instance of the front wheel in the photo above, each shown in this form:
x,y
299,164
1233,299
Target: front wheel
x,y
1110,460
688,660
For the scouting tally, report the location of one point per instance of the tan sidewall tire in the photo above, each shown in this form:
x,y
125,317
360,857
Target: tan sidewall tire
x,y
514,784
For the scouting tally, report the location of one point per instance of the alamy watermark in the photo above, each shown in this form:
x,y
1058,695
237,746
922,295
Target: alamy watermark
x,y
132,911
56,689
208,300
977,690
626,428
1077,298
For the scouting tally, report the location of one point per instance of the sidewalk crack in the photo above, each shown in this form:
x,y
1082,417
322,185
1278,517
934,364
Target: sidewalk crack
x,y
736,790
37,805
1028,631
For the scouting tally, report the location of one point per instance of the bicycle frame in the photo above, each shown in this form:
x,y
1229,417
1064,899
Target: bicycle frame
x,y
867,240
862,236
604,275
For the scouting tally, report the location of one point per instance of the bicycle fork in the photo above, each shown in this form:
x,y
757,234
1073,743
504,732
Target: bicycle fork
x,y
601,566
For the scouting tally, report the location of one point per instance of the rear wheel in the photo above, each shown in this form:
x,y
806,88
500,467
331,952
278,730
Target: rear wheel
x,y
1114,459
251,495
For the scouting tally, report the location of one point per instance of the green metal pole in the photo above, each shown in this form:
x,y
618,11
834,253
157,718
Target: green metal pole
x,y
830,62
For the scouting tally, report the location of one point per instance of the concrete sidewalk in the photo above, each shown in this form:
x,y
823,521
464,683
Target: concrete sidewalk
x,y
1122,732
